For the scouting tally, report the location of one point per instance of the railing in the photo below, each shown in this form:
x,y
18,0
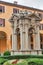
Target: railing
x,y
32,52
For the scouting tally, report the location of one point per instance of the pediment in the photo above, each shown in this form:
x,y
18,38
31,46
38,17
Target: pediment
x,y
33,15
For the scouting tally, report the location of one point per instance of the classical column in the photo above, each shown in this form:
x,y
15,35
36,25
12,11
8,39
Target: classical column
x,y
37,42
29,42
15,42
23,41
37,39
14,36
22,36
27,38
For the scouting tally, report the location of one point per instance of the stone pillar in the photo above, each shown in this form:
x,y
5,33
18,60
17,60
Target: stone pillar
x,y
23,41
29,42
15,42
37,41
22,35
27,38
14,36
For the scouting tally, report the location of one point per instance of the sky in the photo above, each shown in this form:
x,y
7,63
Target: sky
x,y
30,3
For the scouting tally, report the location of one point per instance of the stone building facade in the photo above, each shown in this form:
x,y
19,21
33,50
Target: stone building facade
x,y
8,10
24,27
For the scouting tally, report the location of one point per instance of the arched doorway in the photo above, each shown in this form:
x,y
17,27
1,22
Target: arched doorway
x,y
3,45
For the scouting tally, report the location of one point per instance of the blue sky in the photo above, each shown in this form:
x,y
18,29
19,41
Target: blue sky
x,y
31,3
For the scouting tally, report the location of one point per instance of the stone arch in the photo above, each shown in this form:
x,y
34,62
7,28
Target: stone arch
x,y
3,39
18,38
30,37
31,30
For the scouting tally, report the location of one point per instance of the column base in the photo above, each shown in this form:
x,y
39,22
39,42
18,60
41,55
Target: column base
x,y
26,52
36,52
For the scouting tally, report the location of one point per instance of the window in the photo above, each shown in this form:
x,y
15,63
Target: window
x,y
2,9
2,22
15,10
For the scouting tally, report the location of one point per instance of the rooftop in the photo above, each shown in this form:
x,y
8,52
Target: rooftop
x,y
21,6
